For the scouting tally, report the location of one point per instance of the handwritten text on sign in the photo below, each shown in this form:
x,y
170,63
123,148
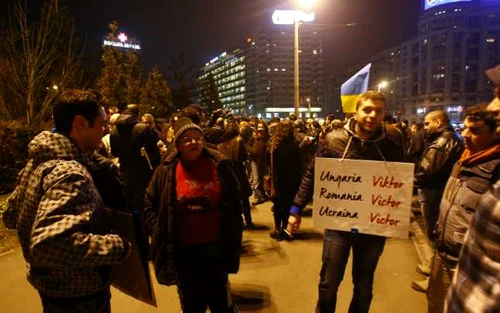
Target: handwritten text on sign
x,y
370,197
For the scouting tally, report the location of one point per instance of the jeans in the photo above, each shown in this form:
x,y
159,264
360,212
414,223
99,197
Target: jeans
x,y
366,252
97,303
258,172
439,281
429,204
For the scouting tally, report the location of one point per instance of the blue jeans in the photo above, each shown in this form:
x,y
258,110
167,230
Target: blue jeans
x,y
430,200
258,171
366,252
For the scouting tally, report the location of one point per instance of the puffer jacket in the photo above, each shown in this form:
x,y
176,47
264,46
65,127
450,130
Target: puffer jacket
x,y
459,202
54,209
438,158
385,145
159,216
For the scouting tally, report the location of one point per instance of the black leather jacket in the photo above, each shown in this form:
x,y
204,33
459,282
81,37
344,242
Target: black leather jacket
x,y
386,144
438,158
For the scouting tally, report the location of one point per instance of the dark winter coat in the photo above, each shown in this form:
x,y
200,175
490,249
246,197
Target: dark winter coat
x,y
287,170
438,158
127,139
216,135
159,216
257,149
459,202
386,144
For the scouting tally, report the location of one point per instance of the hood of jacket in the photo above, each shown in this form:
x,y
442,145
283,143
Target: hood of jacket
x,y
126,123
380,134
50,145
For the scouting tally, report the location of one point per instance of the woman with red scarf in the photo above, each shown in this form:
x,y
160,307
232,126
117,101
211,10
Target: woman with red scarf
x,y
193,215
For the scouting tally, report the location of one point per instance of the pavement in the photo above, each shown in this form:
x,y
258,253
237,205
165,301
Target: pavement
x,y
274,276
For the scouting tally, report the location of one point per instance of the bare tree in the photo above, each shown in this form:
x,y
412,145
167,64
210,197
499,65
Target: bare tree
x,y
39,59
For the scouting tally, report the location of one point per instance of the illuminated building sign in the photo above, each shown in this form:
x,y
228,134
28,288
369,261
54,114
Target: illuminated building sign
x,y
421,110
457,109
429,4
288,17
291,110
122,43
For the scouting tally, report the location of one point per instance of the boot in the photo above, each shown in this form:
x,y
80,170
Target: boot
x,y
420,286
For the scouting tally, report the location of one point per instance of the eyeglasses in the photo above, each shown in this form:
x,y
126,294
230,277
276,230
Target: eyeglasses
x,y
189,140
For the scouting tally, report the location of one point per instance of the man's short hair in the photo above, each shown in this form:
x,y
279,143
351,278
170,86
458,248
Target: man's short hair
x,y
192,113
370,95
73,102
133,108
439,115
478,113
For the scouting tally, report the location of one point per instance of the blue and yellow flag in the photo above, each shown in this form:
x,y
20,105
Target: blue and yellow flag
x,y
353,88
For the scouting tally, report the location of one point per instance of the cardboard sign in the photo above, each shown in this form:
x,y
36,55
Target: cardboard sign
x,y
132,277
360,196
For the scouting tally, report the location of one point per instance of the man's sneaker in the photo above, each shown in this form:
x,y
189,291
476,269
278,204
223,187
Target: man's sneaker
x,y
424,270
420,286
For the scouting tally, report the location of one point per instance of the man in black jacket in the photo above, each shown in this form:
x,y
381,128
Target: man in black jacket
x,y
432,172
135,144
364,137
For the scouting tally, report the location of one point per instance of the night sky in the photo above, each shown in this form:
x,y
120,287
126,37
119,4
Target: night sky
x,y
204,28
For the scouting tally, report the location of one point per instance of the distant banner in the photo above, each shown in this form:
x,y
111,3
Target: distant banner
x,y
359,196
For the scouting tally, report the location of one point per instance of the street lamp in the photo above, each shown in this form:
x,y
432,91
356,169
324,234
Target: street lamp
x,y
296,17
382,84
306,4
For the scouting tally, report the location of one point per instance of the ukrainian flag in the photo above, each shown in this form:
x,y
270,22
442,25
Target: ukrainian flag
x,y
353,88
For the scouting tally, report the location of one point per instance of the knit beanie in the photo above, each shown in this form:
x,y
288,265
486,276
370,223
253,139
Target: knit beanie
x,y
182,125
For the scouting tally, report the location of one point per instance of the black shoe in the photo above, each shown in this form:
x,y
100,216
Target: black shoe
x,y
259,201
285,235
249,225
276,235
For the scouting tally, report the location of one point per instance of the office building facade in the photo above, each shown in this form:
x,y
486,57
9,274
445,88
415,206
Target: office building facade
x,y
270,72
259,78
228,71
443,66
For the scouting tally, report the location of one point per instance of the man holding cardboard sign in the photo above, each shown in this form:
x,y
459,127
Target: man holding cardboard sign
x,y
364,137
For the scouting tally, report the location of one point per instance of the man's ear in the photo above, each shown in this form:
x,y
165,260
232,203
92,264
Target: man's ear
x,y
79,122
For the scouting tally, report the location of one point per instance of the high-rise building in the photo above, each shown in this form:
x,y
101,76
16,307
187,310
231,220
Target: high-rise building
x,y
270,72
228,71
258,79
443,66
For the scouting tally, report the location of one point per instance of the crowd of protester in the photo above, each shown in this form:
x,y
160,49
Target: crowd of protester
x,y
191,178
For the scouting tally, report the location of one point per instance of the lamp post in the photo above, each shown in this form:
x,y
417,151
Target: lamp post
x,y
296,77
295,17
306,4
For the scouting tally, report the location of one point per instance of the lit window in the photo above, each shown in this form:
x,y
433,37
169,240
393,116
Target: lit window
x,y
315,52
268,69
